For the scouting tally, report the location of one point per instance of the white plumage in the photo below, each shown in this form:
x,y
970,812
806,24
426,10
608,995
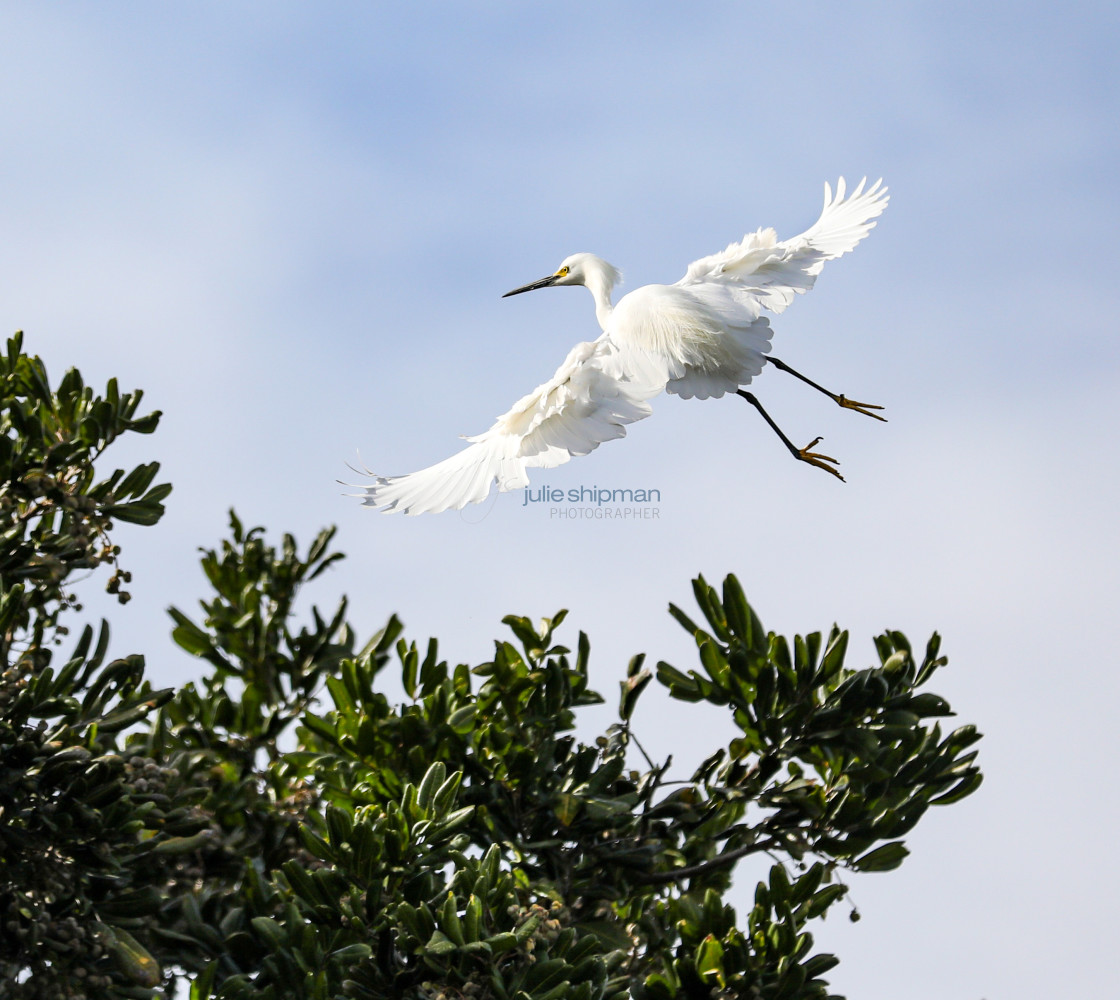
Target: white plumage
x,y
701,337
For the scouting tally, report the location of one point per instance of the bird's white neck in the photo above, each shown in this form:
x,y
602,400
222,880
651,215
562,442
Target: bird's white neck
x,y
599,284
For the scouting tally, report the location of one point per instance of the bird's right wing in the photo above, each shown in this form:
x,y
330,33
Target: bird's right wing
x,y
598,389
759,272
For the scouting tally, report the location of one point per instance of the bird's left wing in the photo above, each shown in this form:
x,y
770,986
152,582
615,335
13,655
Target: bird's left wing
x,y
761,272
598,389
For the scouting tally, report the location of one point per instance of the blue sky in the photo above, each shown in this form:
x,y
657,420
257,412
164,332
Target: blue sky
x,y
292,225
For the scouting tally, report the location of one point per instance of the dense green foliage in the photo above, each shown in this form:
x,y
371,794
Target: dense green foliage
x,y
281,829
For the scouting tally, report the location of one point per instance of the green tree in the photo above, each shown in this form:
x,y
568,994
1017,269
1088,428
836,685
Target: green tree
x,y
281,829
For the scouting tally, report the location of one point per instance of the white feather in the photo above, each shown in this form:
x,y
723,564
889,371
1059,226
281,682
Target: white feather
x,y
580,407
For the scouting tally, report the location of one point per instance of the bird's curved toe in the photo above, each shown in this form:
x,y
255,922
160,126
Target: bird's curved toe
x,y
806,454
864,408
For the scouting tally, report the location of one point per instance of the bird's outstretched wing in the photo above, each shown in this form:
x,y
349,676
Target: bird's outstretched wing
x,y
598,389
759,272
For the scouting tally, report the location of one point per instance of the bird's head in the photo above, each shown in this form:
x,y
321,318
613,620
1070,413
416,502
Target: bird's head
x,y
578,269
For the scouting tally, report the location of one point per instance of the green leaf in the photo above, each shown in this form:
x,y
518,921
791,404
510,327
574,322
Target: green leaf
x,y
566,808
928,705
440,944
449,919
965,787
680,686
450,823
132,958
351,953
823,899
882,859
686,623
138,480
436,775
462,720
709,961
190,637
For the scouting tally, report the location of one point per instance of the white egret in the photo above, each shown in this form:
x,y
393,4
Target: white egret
x,y
701,337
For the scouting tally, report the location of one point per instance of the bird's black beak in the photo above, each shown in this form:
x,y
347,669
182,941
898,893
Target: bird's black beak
x,y
543,283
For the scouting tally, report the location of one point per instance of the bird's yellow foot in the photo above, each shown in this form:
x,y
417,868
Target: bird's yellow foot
x,y
864,408
806,455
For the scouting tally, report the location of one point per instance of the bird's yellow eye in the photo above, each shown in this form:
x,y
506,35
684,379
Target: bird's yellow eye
x,y
562,272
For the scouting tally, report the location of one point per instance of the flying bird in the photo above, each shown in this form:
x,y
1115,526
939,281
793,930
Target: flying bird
x,y
701,337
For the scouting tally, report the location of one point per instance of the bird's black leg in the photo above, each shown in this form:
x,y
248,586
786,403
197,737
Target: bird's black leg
x,y
849,404
801,454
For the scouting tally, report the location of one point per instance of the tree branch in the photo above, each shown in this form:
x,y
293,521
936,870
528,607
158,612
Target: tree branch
x,y
642,749
656,878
